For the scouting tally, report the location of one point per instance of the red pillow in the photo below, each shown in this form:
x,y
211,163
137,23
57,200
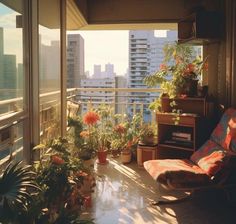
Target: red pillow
x,y
210,157
212,163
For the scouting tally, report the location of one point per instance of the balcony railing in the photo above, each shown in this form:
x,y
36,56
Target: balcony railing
x,y
123,101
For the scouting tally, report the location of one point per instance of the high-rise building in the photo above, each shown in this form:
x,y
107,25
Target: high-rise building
x,y
121,97
49,57
145,57
75,60
1,59
97,97
97,71
108,73
8,72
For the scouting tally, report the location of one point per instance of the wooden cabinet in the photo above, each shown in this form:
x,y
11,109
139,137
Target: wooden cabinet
x,y
169,132
182,134
200,28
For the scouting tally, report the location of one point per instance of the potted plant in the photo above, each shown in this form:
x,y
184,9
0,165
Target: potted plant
x,y
147,135
64,182
17,186
125,136
178,74
97,131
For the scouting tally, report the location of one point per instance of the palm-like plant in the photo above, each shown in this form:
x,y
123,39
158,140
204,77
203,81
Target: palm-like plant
x,y
15,183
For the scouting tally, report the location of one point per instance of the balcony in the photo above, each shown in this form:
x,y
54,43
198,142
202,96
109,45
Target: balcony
x,y
35,31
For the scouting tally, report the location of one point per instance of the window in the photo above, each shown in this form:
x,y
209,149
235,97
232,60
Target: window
x,y
49,71
11,60
12,79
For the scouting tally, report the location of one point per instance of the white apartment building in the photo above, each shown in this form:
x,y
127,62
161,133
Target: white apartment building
x,y
121,97
96,97
75,60
145,57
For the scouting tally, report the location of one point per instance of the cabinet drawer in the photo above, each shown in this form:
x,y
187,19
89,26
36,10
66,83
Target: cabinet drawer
x,y
170,119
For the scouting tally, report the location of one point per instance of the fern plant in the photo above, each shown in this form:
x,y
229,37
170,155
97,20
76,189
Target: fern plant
x,y
15,184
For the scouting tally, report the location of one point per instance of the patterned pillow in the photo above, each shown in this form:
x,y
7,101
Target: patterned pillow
x,y
210,157
225,132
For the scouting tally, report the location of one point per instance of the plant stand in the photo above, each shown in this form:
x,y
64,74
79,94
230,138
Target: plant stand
x,y
146,152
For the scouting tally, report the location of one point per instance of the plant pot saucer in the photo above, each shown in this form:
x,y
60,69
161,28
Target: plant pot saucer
x,y
98,162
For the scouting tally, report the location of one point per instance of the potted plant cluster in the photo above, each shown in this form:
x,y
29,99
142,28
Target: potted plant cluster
x,y
52,191
126,136
61,177
179,73
96,133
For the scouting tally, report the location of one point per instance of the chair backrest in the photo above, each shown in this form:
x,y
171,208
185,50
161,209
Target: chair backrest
x,y
213,154
225,132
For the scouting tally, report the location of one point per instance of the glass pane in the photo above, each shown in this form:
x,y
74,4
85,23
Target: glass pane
x,y
49,69
11,142
11,57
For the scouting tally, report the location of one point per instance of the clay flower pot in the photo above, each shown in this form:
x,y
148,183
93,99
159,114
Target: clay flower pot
x,y
102,157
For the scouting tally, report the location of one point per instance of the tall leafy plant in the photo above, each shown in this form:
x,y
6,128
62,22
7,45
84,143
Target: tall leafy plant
x,y
16,183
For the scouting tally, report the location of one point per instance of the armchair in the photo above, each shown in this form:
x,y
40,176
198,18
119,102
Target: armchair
x,y
212,165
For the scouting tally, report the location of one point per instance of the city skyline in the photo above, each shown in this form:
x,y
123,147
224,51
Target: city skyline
x,y
102,47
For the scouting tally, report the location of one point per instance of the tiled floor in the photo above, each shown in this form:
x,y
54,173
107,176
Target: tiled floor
x,y
123,194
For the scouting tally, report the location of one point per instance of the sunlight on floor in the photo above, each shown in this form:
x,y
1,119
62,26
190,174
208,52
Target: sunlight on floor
x,y
123,194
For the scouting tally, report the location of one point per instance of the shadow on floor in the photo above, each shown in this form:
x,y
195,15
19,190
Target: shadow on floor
x,y
124,192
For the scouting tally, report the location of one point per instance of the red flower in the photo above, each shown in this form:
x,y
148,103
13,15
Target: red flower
x,y
91,118
163,67
190,69
205,66
57,160
119,129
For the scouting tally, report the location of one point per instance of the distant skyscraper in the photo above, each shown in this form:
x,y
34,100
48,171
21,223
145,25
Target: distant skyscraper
x,y
97,71
1,59
49,69
20,76
121,97
8,72
108,73
145,57
97,97
75,60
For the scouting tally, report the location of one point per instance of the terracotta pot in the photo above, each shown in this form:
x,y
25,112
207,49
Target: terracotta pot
x,y
126,156
165,104
102,157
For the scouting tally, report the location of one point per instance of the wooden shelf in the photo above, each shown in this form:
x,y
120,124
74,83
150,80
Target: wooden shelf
x,y
200,28
172,146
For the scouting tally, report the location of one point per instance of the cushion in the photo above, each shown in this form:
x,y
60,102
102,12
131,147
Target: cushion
x,y
179,172
211,157
225,132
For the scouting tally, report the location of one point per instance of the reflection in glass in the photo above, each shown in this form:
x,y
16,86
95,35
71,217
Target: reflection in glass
x,y
11,57
49,69
11,142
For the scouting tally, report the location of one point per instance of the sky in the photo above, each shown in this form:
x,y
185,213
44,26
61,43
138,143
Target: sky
x,y
102,47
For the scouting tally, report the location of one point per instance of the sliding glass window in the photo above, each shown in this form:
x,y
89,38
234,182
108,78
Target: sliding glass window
x,y
11,58
12,79
49,69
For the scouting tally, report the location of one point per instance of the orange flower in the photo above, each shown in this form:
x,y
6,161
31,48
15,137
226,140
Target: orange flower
x,y
129,144
163,67
205,66
57,160
84,134
119,129
91,118
190,68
